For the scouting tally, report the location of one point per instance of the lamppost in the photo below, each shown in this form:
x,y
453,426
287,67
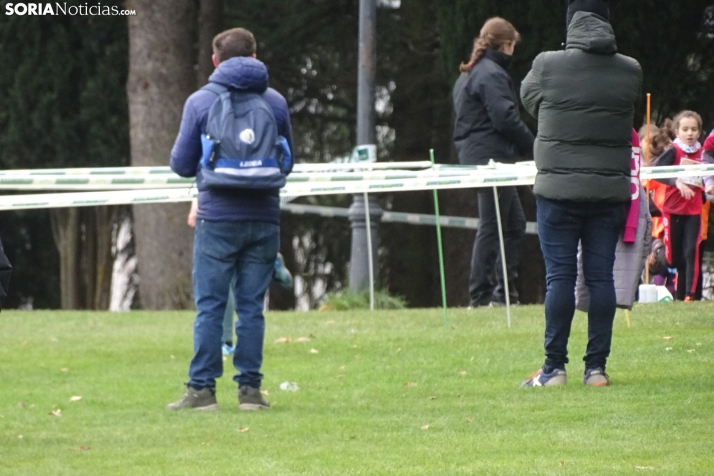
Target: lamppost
x,y
366,135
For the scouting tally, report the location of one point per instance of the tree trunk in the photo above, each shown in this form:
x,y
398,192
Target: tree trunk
x,y
83,237
88,263
161,76
99,224
66,232
210,23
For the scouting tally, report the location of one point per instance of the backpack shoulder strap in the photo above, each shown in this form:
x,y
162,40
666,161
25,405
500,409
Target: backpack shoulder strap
x,y
215,88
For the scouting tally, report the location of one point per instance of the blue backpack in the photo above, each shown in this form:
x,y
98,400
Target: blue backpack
x,y
241,146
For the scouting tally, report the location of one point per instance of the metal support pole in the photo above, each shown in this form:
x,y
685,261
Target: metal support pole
x,y
506,285
360,261
361,244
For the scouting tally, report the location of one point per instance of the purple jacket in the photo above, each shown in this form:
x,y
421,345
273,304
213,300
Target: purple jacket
x,y
245,73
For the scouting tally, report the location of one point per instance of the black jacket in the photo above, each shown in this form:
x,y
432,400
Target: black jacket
x,y
488,123
584,99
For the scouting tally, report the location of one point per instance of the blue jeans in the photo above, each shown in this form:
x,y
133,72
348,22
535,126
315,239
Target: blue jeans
x,y
222,250
561,225
228,326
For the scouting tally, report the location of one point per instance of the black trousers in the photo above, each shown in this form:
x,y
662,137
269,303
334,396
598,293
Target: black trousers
x,y
682,238
486,283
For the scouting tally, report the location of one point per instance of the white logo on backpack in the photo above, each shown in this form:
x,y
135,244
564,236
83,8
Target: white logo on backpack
x,y
247,136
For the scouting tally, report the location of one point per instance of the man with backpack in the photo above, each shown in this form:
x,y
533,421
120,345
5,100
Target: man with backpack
x,y
236,139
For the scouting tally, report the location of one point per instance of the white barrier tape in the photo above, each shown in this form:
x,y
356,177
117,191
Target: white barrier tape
x,y
521,167
91,171
163,169
330,166
93,182
376,186
90,199
78,199
153,181
471,178
675,171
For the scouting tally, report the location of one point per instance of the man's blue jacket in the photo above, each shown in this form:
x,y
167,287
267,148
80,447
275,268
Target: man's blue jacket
x,y
244,73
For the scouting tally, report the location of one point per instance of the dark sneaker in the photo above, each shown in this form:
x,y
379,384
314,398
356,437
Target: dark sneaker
x,y
204,399
596,378
281,273
542,379
250,398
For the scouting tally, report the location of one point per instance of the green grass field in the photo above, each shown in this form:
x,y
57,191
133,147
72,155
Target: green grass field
x,y
382,393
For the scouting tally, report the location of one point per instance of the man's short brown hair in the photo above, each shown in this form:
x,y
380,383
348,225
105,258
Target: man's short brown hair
x,y
233,42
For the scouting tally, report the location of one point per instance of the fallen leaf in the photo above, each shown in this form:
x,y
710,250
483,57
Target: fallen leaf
x,y
355,346
667,338
399,349
314,351
56,413
302,339
358,357
75,398
562,463
463,372
691,350
645,467
667,348
699,343
64,369
19,436
54,339
84,448
342,368
352,331
281,340
453,326
410,384
432,398
24,343
242,430
468,419
20,405
330,322
173,357
425,427
339,376
265,392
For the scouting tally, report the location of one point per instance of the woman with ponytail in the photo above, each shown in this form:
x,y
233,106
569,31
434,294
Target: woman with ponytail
x,y
488,126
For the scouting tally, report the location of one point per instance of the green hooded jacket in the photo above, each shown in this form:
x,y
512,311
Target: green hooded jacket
x,y
584,98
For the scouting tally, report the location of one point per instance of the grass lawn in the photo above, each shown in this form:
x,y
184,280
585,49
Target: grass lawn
x,y
387,392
